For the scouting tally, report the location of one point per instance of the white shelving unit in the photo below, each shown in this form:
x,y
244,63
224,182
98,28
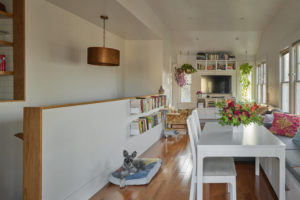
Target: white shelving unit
x,y
216,65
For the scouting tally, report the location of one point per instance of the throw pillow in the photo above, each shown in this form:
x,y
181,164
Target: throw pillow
x,y
285,124
296,139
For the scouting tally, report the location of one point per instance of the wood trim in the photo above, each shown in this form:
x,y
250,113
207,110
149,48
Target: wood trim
x,y
94,102
20,135
19,49
32,154
6,73
4,15
6,43
12,101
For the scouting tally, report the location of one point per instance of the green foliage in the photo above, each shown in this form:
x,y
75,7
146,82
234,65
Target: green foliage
x,y
245,71
188,68
235,114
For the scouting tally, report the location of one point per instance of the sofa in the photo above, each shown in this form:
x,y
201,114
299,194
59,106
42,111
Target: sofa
x,y
270,165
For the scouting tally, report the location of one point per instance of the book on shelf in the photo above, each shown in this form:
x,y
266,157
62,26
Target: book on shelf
x,y
145,123
143,105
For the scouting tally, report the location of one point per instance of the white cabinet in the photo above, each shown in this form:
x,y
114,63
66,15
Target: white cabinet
x,y
208,113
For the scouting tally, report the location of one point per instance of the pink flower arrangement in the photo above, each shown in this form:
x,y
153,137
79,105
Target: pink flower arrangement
x,y
198,92
232,113
180,77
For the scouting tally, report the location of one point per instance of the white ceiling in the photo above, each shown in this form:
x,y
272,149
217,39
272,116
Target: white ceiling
x,y
121,21
227,25
216,25
215,15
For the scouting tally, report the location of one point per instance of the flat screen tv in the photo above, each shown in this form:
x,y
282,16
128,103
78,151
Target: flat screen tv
x,y
215,84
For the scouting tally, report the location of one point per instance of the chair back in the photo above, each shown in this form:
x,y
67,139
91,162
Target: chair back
x,y
197,122
193,141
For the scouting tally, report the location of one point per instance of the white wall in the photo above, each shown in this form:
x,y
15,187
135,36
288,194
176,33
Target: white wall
x,y
143,67
283,30
56,72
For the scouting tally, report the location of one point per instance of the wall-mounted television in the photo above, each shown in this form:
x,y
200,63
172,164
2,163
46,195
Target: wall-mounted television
x,y
215,84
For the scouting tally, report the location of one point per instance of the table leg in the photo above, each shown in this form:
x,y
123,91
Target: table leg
x,y
199,174
257,166
281,158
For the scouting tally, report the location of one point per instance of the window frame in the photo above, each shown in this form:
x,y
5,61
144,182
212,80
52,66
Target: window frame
x,y
281,77
261,82
190,85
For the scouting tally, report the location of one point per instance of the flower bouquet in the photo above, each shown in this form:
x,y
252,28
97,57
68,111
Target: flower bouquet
x,y
232,113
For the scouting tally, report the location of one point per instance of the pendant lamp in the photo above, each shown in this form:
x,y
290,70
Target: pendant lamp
x,y
101,55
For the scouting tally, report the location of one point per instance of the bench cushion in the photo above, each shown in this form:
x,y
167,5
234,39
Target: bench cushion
x,y
292,158
296,172
290,145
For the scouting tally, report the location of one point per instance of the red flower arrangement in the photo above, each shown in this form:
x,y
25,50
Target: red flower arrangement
x,y
232,113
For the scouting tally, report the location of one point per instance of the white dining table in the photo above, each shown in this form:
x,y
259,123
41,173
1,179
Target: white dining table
x,y
249,141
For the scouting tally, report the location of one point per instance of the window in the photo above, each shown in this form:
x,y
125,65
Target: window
x,y
186,90
285,80
261,83
297,78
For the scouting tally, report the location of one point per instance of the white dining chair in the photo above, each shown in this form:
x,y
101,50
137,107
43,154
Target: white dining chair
x,y
215,169
197,122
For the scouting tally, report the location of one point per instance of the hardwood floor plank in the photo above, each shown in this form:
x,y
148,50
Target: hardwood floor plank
x,y
172,182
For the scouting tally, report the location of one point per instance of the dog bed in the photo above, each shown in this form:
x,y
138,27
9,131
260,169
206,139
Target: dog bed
x,y
140,178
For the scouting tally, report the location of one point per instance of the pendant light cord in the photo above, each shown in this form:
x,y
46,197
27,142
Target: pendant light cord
x,y
103,32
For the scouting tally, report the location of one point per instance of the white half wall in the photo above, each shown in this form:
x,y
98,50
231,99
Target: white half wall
x,y
82,145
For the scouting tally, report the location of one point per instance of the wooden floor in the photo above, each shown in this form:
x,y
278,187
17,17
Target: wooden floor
x,y
173,180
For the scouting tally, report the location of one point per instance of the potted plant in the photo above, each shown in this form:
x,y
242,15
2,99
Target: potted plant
x,y
188,68
245,71
234,114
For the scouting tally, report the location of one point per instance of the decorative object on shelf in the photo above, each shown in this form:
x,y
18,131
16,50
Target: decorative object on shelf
x,y
232,113
2,63
245,71
188,68
2,7
199,94
161,90
101,55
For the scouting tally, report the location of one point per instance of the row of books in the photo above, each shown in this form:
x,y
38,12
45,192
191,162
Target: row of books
x,y
145,123
214,56
142,105
212,66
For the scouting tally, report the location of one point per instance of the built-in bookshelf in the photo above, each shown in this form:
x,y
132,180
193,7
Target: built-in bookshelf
x,y
12,51
215,61
219,65
144,105
145,123
148,112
